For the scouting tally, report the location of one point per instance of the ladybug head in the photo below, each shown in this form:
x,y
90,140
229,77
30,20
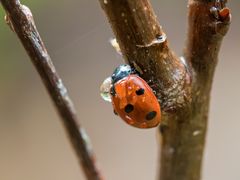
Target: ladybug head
x,y
121,72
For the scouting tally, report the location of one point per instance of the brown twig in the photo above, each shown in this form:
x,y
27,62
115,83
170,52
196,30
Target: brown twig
x,y
182,86
21,21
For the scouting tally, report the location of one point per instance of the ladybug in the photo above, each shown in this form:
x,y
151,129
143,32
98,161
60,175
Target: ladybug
x,y
133,99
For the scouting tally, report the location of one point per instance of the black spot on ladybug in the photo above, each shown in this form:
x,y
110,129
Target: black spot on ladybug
x,y
140,91
151,115
128,108
112,91
115,112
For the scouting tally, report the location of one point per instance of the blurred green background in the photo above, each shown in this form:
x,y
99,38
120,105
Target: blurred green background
x,y
33,144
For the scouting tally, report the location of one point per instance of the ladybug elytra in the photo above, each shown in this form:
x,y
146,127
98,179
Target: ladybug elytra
x,y
133,99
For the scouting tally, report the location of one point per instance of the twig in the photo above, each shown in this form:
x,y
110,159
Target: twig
x,y
21,21
207,27
182,84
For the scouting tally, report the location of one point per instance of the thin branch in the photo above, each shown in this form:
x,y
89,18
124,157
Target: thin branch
x,y
21,21
208,23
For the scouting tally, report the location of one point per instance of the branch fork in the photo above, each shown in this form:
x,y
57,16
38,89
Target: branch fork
x,y
182,84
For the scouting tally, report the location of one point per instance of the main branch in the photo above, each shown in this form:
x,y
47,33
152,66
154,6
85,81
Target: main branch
x,y
21,21
145,46
182,85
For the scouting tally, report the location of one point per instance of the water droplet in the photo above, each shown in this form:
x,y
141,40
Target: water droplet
x,y
197,132
129,120
143,125
214,12
8,21
115,45
159,39
105,89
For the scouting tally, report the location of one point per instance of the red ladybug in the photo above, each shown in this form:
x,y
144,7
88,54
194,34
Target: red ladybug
x,y
133,99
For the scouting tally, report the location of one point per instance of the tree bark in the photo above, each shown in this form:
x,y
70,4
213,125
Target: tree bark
x,y
20,19
182,85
